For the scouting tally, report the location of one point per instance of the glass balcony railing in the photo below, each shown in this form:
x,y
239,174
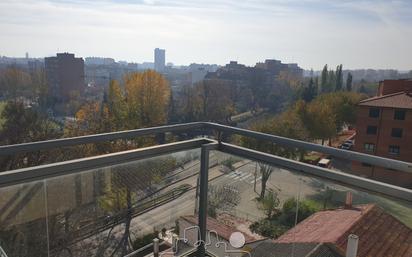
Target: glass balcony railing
x,y
201,195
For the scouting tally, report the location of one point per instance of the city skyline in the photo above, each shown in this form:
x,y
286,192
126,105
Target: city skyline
x,y
358,34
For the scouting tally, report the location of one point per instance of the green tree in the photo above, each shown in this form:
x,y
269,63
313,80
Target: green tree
x,y
288,124
304,208
324,83
339,78
309,92
331,81
22,124
349,82
269,204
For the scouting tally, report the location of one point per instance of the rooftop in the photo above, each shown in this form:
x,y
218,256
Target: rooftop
x,y
380,234
396,100
298,249
224,230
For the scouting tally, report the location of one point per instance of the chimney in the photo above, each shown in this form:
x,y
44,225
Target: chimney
x,y
352,247
348,201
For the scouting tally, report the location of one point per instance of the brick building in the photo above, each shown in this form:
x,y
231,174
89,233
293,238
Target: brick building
x,y
384,128
65,76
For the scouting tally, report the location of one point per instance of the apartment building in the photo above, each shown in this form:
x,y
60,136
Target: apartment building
x,y
384,128
65,75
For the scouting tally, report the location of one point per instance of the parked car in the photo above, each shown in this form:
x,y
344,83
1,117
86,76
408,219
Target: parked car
x,y
346,146
352,142
324,163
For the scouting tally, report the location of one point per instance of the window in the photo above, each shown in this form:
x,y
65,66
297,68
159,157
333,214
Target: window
x,y
394,149
371,130
374,112
396,132
369,147
399,114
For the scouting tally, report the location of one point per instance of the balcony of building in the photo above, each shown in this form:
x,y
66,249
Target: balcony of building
x,y
197,192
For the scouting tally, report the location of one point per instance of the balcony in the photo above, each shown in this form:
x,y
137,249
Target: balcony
x,y
198,191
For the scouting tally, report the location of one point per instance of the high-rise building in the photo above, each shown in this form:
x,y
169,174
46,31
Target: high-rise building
x,y
65,75
159,59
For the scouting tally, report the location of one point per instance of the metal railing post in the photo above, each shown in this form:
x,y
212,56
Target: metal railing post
x,y
203,190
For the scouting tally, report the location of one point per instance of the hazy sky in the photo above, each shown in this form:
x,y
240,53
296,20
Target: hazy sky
x,y
358,33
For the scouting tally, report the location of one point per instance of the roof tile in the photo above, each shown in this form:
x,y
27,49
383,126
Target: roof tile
x,y
380,234
397,100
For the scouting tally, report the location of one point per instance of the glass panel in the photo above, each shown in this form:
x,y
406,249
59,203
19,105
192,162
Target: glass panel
x,y
23,220
109,211
119,209
299,212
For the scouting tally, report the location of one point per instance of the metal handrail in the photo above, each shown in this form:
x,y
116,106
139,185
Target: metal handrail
x,y
208,127
206,145
17,176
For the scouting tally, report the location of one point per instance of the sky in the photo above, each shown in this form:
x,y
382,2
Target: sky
x,y
355,33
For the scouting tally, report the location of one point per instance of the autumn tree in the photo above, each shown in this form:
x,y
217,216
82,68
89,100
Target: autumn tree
x,y
14,82
147,97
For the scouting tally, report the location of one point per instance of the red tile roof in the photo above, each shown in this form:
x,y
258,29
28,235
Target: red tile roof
x,y
396,100
221,229
379,233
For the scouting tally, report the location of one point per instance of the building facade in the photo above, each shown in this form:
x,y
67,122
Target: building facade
x,y
159,59
384,128
65,76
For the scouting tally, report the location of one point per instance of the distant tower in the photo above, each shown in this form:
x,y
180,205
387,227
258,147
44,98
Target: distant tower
x,y
159,59
27,55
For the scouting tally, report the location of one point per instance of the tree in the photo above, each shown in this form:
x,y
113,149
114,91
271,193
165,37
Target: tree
x,y
129,184
331,81
14,83
265,171
222,198
349,82
268,228
147,98
309,92
269,204
215,100
288,124
339,78
22,124
117,108
324,80
319,120
290,207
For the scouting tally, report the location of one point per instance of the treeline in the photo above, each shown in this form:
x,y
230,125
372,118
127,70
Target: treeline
x,y
329,81
142,101
320,119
